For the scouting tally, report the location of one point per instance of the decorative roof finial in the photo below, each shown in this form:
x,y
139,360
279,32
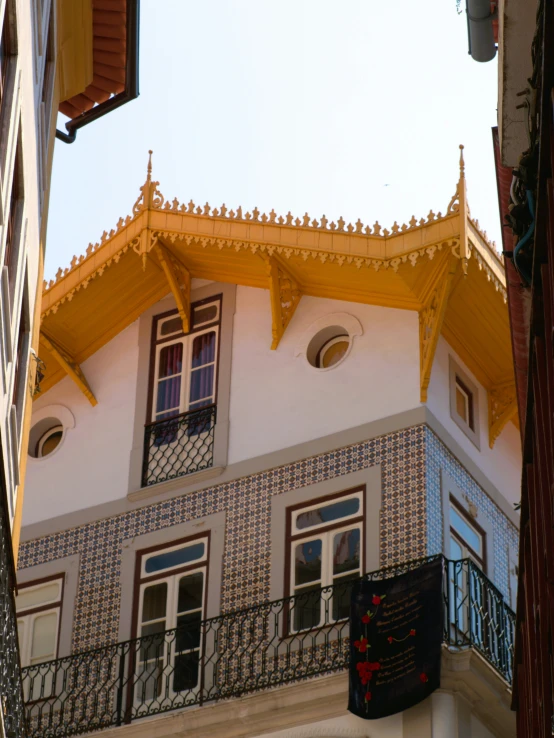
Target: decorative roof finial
x,y
462,162
149,167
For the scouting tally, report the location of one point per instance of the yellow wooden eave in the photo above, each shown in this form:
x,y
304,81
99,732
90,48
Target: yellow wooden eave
x,y
117,279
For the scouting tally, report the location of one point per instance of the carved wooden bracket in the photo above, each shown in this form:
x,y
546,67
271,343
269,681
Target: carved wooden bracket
x,y
69,365
431,319
285,295
502,408
178,278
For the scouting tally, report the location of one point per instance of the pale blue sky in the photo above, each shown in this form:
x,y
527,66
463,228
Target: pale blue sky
x,y
301,105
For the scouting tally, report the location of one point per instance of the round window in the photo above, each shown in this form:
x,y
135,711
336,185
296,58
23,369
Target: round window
x,y
332,352
49,441
329,347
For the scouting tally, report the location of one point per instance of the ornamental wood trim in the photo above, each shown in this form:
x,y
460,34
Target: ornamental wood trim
x,y
69,365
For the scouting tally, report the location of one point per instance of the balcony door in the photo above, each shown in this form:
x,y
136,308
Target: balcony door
x,y
171,598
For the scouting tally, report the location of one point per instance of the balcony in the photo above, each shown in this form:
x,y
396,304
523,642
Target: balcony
x,y
11,698
273,644
178,446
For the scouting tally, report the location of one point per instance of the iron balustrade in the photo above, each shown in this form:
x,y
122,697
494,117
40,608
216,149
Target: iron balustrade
x,y
11,698
273,643
178,446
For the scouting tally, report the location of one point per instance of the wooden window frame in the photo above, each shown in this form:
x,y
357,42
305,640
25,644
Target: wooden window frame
x,y
291,538
458,377
156,343
470,402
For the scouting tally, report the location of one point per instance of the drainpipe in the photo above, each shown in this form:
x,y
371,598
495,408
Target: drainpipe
x,y
482,46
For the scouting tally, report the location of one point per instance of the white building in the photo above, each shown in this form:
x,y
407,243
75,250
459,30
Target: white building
x,y
50,60
321,401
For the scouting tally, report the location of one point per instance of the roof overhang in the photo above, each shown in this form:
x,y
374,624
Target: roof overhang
x,y
99,59
440,266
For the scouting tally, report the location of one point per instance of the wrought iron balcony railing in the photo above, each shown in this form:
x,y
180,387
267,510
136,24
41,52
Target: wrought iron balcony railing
x,y
178,446
11,698
274,643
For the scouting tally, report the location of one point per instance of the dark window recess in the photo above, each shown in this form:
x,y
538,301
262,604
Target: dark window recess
x,y
7,46
13,220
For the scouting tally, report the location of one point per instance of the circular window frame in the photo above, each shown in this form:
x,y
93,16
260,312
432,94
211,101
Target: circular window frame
x,y
346,326
47,420
345,338
45,436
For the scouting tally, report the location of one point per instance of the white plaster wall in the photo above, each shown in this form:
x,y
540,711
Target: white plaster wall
x,y
91,465
345,726
501,464
279,400
478,730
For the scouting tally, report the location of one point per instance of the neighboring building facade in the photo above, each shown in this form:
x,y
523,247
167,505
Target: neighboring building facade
x,y
524,165
240,414
48,56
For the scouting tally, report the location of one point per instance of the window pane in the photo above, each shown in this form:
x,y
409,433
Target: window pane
x,y
154,602
188,631
328,513
152,643
462,403
173,325
333,353
201,383
465,530
43,645
203,349
186,671
456,552
169,394
307,562
171,360
346,551
205,314
306,608
178,557
190,592
37,596
341,596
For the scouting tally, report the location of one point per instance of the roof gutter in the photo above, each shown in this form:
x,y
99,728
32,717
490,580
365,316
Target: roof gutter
x,y
131,91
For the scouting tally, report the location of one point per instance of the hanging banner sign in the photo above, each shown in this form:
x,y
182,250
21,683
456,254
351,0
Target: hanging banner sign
x,y
396,633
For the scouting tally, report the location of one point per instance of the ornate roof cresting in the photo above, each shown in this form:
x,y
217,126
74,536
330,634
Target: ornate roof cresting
x,y
151,198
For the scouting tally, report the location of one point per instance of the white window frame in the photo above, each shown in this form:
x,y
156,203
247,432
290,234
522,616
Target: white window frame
x,y
326,532
171,576
457,374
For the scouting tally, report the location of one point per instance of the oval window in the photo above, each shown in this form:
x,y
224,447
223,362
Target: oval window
x,y
49,441
332,352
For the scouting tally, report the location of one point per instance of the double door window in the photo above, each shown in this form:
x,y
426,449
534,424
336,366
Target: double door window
x,y
326,553
171,610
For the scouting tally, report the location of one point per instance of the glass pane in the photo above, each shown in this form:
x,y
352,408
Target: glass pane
x,y
205,314
171,360
43,645
152,644
346,551
466,531
306,608
148,680
456,552
203,349
154,601
186,671
51,442
188,631
37,596
173,325
328,513
201,383
341,596
461,403
190,592
307,562
178,557
334,353
169,395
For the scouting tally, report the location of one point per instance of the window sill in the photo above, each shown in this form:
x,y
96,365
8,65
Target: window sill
x,y
187,480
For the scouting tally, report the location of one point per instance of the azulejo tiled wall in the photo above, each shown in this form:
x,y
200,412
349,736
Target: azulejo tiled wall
x,y
247,503
505,534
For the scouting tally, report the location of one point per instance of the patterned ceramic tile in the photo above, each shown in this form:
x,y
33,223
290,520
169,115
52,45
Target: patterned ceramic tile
x,y
410,525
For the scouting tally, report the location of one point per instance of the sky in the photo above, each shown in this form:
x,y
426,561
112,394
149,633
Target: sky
x,y
351,108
